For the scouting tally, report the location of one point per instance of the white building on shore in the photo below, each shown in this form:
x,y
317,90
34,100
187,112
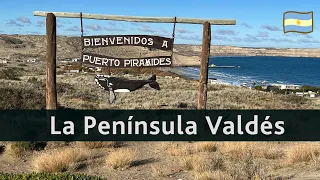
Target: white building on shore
x,y
286,86
309,93
215,81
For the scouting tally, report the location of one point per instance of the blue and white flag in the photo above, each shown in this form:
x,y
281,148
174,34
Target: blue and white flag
x,y
300,22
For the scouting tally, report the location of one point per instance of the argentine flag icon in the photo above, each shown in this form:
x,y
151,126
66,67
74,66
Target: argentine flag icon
x,y
299,22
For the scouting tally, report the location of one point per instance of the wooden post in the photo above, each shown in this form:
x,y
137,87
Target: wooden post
x,y
206,41
51,91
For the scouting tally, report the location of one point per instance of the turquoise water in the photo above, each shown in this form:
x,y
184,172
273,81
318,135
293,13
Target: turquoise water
x,y
288,70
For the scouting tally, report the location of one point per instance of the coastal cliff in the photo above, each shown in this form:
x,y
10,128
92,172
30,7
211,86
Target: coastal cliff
x,y
248,51
34,46
193,53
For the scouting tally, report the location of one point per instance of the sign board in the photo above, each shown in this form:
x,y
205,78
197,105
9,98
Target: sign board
x,y
157,42
107,61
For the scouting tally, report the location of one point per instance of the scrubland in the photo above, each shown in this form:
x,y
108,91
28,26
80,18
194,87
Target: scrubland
x,y
23,87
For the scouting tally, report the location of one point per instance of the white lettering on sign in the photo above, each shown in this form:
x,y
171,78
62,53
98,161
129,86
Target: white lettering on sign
x,y
165,44
150,41
122,40
100,61
145,62
86,42
119,62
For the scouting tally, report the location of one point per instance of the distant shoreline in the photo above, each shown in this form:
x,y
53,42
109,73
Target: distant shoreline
x,y
238,79
188,50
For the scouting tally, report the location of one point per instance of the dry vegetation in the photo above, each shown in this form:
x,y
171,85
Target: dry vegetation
x,y
160,160
98,144
80,92
123,158
23,87
61,160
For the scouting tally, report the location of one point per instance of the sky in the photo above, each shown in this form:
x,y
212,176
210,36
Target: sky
x,y
258,23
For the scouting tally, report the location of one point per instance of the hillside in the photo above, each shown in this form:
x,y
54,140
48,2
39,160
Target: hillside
x,y
23,87
34,46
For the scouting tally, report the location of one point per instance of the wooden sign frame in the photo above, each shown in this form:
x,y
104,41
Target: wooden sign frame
x,y
51,93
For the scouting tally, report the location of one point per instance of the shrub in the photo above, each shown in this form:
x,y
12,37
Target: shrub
x,y
123,158
27,176
17,149
310,88
206,146
32,80
98,144
10,74
258,88
295,99
16,98
54,161
22,65
301,153
11,40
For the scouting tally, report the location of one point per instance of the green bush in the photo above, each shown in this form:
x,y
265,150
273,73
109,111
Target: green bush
x,y
46,176
18,149
258,88
30,146
310,88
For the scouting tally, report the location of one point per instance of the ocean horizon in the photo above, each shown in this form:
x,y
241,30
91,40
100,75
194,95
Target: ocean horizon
x,y
272,69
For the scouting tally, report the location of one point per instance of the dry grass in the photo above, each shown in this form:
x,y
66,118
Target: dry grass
x,y
185,91
240,150
98,144
14,151
56,144
236,149
200,163
192,162
208,160
173,93
157,171
247,168
304,152
215,175
177,148
220,175
206,146
122,158
61,160
203,176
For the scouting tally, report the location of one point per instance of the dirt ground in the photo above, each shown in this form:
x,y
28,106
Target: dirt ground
x,y
155,160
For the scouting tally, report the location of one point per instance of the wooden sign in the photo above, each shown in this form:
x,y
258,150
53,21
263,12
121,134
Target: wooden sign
x,y
157,42
107,61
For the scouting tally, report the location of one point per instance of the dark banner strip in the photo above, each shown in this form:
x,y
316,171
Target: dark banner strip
x,y
156,42
159,125
107,61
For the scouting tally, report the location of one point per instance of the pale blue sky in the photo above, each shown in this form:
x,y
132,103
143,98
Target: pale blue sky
x,y
259,23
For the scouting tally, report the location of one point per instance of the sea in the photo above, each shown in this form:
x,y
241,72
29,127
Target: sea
x,y
260,70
